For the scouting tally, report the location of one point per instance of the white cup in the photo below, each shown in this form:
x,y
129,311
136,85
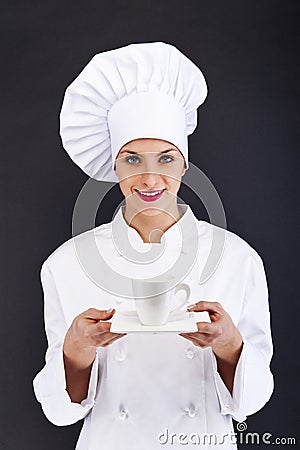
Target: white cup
x,y
154,299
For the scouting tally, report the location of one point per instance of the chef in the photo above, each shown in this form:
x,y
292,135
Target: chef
x,y
126,119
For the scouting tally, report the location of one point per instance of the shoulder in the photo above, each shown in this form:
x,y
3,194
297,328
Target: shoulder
x,y
66,252
234,245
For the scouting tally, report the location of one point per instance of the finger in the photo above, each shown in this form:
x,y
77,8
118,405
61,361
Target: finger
x,y
113,340
195,341
211,307
101,327
98,314
201,336
104,339
109,313
202,341
97,328
104,333
91,332
213,329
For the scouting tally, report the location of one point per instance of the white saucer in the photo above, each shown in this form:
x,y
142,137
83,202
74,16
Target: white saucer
x,y
179,322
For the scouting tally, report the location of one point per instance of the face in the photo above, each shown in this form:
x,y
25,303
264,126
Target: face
x,y
149,172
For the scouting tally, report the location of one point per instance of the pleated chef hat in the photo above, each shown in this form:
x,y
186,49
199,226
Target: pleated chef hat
x,y
144,90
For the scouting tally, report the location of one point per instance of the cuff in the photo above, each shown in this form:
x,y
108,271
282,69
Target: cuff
x,y
231,403
50,390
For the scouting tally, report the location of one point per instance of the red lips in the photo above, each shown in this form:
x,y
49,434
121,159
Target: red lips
x,y
150,196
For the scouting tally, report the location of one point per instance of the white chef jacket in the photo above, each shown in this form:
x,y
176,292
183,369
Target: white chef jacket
x,y
145,387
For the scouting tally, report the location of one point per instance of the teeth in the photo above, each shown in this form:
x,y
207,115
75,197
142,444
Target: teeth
x,y
147,194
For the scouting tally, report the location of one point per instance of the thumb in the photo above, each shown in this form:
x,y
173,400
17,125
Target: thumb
x,y
203,305
108,313
200,306
97,314
195,307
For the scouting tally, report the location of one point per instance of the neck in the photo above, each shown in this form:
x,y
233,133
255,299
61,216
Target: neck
x,y
151,227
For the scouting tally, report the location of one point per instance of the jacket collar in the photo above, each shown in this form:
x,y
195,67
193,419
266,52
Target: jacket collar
x,y
173,235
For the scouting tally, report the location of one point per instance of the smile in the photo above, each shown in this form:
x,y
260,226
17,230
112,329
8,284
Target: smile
x,y
150,196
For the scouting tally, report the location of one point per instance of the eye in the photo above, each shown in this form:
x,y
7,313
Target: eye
x,y
132,159
166,159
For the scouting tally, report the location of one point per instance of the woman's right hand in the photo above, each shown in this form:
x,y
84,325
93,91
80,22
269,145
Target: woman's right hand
x,y
88,331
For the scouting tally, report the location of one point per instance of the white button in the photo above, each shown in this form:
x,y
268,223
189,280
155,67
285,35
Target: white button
x,y
184,251
191,412
190,353
123,414
120,356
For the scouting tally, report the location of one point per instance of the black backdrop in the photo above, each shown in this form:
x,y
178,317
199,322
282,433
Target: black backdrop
x,y
245,142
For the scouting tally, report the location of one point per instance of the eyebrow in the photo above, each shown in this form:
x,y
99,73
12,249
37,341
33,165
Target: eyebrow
x,y
160,153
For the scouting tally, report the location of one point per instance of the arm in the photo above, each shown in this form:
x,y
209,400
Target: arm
x,y
78,366
254,381
243,379
227,359
55,388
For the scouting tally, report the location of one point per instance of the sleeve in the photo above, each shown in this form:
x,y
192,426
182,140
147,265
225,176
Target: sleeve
x,y
253,381
50,383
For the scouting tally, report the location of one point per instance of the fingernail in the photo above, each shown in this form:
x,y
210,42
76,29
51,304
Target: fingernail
x,y
109,310
191,306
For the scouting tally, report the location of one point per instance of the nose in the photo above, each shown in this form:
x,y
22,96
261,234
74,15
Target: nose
x,y
151,179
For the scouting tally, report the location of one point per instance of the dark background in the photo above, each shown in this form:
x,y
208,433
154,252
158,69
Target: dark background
x,y
245,142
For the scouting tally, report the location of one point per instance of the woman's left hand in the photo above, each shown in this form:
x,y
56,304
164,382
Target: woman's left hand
x,y
221,334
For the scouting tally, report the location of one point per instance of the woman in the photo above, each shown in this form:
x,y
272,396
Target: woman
x,y
126,118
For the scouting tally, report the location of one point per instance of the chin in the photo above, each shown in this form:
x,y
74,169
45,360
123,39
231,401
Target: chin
x,y
151,211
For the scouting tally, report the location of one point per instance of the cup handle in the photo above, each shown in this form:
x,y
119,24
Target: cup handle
x,y
182,287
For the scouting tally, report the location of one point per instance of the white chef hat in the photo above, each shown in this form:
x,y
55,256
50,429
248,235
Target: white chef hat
x,y
143,90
